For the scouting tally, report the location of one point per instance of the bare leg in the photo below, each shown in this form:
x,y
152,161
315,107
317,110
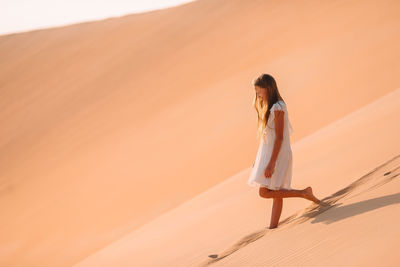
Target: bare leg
x,y
278,196
282,193
276,212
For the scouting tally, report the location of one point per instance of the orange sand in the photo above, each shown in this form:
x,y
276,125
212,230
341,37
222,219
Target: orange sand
x,y
128,141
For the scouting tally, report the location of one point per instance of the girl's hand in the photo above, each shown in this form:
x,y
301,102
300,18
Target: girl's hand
x,y
269,170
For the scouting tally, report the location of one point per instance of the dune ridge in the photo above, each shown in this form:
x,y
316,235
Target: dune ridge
x,y
229,211
377,177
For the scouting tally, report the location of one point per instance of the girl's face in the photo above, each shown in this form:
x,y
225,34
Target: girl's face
x,y
261,93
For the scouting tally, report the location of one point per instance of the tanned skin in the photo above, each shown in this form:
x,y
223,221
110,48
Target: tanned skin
x,y
278,195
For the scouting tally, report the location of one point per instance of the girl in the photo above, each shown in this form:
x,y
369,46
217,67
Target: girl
x,y
272,169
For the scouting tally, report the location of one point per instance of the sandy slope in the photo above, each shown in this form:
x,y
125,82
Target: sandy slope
x,y
346,163
107,125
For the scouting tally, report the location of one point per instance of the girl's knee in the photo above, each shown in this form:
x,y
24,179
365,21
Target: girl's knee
x,y
264,192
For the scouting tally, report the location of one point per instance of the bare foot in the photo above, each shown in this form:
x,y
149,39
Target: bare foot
x,y
308,194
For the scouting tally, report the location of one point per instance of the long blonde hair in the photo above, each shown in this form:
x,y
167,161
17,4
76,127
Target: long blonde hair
x,y
267,82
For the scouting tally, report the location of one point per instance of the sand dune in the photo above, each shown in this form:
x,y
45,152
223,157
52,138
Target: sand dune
x,y
339,233
110,124
229,218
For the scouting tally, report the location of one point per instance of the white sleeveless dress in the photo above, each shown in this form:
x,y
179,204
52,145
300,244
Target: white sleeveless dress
x,y
282,176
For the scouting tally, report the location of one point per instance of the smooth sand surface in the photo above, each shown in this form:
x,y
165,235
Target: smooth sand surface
x,y
228,224
108,126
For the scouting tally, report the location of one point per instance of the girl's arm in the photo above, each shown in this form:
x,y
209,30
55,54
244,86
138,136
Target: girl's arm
x,y
279,124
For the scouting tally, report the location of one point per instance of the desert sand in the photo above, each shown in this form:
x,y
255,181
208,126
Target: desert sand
x,y
128,141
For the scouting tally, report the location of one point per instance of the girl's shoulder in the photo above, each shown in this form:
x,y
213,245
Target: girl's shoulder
x,y
279,105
